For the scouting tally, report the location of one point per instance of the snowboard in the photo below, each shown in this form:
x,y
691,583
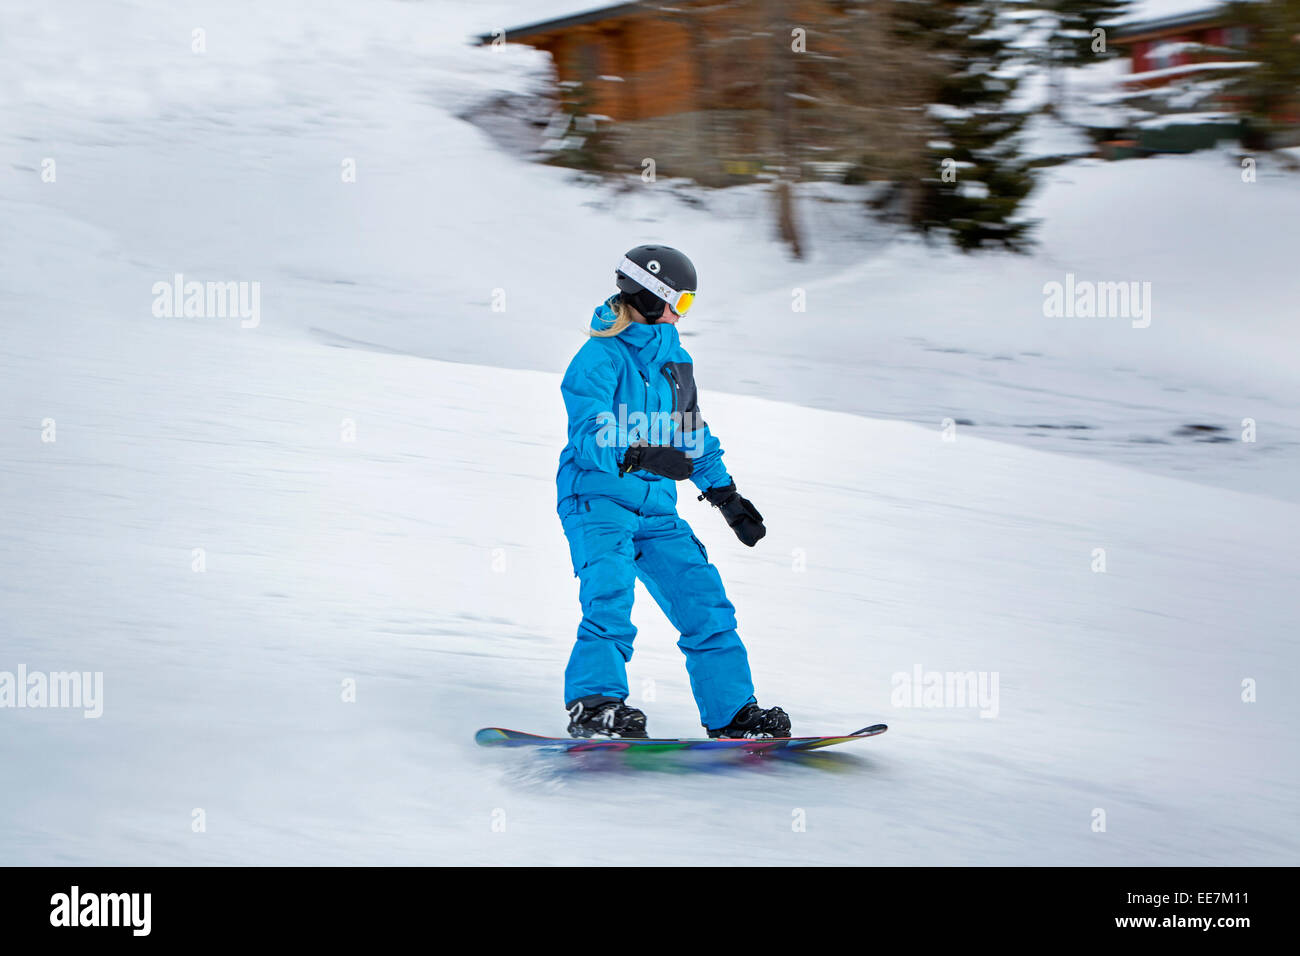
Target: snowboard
x,y
500,737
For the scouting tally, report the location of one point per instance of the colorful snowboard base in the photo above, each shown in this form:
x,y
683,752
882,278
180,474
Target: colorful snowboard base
x,y
500,737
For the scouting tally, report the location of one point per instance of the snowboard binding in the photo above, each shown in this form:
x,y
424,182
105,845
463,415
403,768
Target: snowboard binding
x,y
604,717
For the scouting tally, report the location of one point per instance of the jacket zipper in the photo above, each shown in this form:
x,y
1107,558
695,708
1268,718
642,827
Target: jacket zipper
x,y
668,372
647,392
646,382
646,402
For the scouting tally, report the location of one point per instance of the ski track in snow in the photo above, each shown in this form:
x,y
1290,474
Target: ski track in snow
x,y
424,561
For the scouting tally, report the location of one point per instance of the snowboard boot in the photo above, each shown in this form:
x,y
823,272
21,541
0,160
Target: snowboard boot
x,y
605,718
754,721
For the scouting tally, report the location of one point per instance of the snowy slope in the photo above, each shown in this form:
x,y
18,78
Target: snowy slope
x,y
423,560
227,165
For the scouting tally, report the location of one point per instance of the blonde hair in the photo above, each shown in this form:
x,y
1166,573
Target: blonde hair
x,y
622,319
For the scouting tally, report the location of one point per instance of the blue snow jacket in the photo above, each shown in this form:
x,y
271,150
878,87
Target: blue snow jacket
x,y
638,385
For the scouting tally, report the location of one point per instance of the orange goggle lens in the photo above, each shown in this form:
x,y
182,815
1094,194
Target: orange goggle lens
x,y
684,302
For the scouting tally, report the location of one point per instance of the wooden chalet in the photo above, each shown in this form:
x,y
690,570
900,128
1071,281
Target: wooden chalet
x,y
679,80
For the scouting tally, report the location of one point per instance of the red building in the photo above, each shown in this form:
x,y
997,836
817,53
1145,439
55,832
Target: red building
x,y
1198,38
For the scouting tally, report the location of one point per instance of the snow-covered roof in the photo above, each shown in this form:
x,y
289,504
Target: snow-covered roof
x,y
1159,9
568,13
1142,15
1185,69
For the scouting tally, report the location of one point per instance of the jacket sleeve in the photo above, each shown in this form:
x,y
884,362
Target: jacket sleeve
x,y
588,390
709,471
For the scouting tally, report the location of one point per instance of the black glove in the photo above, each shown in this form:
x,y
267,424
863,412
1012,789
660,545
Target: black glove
x,y
742,517
663,460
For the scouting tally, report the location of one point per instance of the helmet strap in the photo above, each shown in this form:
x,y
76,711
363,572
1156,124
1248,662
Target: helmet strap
x,y
645,302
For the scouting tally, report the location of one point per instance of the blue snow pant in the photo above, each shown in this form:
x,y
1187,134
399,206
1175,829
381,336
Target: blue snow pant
x,y
611,546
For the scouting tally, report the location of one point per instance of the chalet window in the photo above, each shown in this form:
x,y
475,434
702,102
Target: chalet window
x,y
1163,53
588,60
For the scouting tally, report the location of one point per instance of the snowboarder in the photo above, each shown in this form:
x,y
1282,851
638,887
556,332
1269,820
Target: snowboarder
x,y
635,431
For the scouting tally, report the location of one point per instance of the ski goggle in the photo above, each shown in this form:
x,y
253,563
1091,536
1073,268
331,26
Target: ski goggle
x,y
679,301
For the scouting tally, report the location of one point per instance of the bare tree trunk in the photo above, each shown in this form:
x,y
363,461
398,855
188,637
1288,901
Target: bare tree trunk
x,y
781,58
787,225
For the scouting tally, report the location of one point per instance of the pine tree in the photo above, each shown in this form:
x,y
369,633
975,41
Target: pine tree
x,y
970,179
1076,21
1063,36
1269,93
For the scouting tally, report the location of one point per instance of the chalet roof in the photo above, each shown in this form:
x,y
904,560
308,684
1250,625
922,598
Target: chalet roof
x,y
1148,16
1141,17
592,15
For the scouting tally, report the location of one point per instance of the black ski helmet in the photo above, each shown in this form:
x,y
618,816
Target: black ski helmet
x,y
669,272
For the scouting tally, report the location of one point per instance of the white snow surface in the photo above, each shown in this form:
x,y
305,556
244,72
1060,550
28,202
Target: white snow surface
x,y
424,562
